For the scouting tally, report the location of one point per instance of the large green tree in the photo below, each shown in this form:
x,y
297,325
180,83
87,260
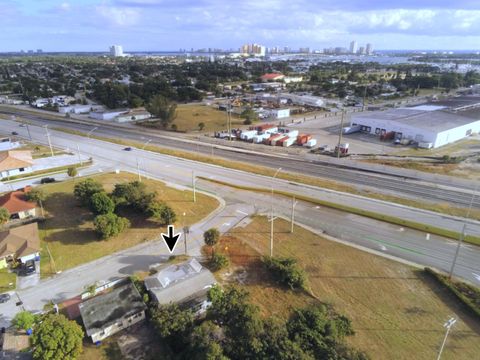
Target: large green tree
x,y
172,324
135,195
108,225
4,215
101,203
163,109
23,320
57,338
85,189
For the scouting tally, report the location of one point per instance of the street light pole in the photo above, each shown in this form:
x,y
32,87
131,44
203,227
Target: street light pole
x,y
271,213
146,143
79,157
48,138
340,134
462,235
294,203
28,130
193,186
448,325
138,171
91,131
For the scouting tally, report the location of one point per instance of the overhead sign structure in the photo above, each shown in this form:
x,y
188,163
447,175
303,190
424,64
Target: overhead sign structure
x,y
171,239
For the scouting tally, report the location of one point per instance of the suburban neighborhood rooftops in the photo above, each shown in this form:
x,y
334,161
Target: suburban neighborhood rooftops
x,y
272,76
15,201
106,309
180,282
21,241
15,159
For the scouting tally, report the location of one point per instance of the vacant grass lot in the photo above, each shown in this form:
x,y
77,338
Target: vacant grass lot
x,y
190,115
69,234
397,312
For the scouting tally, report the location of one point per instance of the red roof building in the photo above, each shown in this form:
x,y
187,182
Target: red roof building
x,y
272,77
17,205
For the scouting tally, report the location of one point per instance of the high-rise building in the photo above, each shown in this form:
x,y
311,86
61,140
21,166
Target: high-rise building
x,y
116,50
353,47
361,50
369,49
253,49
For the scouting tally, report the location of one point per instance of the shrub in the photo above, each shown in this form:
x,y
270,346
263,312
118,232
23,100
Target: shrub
x,y
286,271
101,203
4,215
36,195
23,320
211,237
109,225
218,262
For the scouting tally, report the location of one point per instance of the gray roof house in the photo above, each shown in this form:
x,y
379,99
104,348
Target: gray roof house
x,y
109,313
186,284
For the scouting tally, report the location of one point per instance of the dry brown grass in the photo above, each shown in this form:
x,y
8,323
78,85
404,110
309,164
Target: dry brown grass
x,y
397,312
69,232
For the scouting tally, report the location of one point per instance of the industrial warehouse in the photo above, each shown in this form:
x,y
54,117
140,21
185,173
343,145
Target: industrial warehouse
x,y
430,125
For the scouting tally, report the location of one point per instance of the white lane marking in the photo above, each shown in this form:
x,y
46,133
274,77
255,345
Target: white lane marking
x,y
427,236
401,229
226,224
317,207
383,247
242,212
476,276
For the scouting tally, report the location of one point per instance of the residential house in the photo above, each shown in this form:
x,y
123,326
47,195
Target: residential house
x,y
17,205
272,77
113,311
21,243
186,284
15,162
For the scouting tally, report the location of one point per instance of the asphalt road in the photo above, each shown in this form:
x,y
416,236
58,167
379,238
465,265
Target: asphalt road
x,y
392,181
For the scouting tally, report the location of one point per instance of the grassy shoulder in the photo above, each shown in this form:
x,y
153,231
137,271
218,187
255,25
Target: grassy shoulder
x,y
442,208
396,310
68,232
7,278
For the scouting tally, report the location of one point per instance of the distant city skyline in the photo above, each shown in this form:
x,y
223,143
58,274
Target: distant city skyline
x,y
156,25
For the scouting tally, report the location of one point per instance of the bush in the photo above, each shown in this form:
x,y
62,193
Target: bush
x,y
162,212
84,190
247,122
101,203
23,320
286,271
109,225
4,215
134,194
218,262
47,180
36,195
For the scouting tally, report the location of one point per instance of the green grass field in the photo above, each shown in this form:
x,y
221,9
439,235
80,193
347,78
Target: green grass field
x,y
69,233
7,278
397,311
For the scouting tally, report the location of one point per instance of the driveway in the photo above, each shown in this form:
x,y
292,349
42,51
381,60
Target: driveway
x,y
26,281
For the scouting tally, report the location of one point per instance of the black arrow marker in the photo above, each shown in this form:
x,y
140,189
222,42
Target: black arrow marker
x,y
170,239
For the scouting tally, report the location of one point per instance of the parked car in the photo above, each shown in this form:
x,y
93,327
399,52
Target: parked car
x,y
29,267
14,133
47,180
4,298
128,149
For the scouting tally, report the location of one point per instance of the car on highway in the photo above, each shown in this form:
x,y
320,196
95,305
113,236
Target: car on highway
x,y
4,298
128,149
29,267
14,133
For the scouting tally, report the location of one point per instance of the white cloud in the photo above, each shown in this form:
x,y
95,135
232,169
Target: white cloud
x,y
119,16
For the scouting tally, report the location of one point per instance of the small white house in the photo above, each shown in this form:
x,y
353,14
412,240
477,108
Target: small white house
x,y
280,113
15,162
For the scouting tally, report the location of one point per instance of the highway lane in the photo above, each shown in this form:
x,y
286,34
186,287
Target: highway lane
x,y
406,244
396,185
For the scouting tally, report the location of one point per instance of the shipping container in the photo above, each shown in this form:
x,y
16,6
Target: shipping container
x,y
292,133
248,135
273,140
257,139
289,142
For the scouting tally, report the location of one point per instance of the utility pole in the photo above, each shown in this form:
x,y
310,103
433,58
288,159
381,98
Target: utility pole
x,y
28,130
79,157
193,186
138,171
294,203
271,213
340,134
448,325
48,138
462,234
146,143
186,230
364,98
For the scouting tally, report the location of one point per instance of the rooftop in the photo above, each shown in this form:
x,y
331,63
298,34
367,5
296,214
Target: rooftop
x,y
106,309
21,241
15,201
15,159
180,282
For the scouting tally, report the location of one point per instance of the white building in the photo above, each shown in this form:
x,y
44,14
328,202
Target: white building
x,y
436,125
116,50
369,49
353,47
75,109
107,114
304,100
133,115
15,162
280,113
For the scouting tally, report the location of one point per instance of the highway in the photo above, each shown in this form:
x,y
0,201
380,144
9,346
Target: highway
x,y
442,191
406,244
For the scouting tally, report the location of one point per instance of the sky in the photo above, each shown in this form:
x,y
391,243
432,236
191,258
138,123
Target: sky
x,y
162,25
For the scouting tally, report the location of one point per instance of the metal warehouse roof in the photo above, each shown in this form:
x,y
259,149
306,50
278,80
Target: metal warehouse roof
x,y
436,120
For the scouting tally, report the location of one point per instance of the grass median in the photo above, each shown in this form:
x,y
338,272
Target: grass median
x,y
475,240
